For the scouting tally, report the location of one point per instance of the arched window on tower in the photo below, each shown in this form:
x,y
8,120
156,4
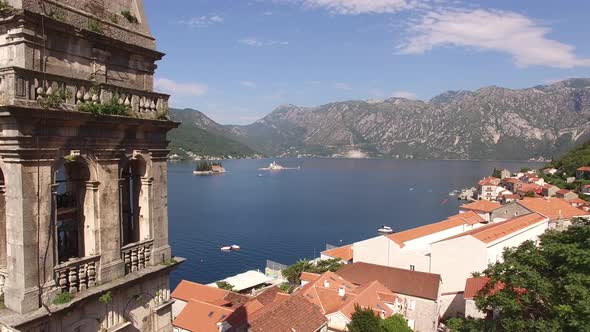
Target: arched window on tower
x,y
132,173
70,189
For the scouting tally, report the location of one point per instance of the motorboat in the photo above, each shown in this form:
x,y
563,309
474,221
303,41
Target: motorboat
x,y
235,247
226,248
385,229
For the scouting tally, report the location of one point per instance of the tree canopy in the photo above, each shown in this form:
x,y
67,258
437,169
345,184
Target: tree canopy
x,y
293,272
365,320
543,288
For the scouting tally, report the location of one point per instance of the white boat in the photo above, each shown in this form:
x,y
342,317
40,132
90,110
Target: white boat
x,y
226,248
385,229
273,167
235,247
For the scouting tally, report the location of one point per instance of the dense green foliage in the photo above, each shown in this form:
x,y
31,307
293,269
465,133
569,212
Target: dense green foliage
x,y
110,108
396,323
56,99
129,16
365,320
106,298
203,142
577,157
225,285
496,173
62,298
293,272
546,287
206,166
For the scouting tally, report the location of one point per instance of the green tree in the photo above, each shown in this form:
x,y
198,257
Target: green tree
x,y
396,323
544,287
364,320
524,169
530,193
293,272
225,285
496,173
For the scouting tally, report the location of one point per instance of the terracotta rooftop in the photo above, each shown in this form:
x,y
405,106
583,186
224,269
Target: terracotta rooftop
x,y
308,276
474,284
482,206
344,252
498,230
511,180
187,291
489,181
583,169
553,208
372,294
399,281
453,221
200,316
293,314
563,191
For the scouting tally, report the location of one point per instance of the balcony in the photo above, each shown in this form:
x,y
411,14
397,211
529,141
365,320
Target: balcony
x,y
77,274
25,88
137,255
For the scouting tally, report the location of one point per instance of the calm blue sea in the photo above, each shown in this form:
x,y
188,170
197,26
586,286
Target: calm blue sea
x,y
288,215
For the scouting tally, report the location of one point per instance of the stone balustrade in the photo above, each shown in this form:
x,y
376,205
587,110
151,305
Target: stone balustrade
x,y
137,255
28,88
77,274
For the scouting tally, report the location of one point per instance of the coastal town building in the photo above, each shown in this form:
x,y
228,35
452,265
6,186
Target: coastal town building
x,y
583,173
473,286
566,194
417,292
410,249
337,298
550,171
586,189
474,250
201,308
505,173
83,169
483,208
512,184
344,253
488,188
549,190
247,282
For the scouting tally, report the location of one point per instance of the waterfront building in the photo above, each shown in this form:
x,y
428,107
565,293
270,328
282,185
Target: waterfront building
x,y
344,253
568,195
84,220
488,188
456,257
559,211
417,292
483,208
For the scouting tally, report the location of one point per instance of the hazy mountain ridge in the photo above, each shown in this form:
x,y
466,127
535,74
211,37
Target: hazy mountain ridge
x,y
490,123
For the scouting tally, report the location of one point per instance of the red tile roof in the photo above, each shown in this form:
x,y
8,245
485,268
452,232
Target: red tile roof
x,y
308,276
553,208
563,191
489,181
187,291
293,314
200,316
498,230
344,252
469,218
583,169
399,281
482,206
475,284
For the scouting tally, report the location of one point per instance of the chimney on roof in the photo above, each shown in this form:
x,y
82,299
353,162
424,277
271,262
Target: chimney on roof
x,y
341,291
326,284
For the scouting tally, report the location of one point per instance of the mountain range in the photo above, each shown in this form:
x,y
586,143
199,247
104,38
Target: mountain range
x,y
491,123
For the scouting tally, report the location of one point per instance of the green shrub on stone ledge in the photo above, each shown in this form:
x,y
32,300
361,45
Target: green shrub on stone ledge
x,y
110,108
94,26
130,17
62,298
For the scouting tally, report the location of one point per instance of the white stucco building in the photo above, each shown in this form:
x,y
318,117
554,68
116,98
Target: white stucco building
x,y
456,257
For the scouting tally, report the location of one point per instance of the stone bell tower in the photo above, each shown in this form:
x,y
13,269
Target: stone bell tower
x,y
83,150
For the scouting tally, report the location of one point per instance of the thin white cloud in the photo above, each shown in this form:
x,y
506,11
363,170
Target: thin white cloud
x,y
202,21
404,94
256,42
267,13
248,84
342,86
182,89
491,30
355,7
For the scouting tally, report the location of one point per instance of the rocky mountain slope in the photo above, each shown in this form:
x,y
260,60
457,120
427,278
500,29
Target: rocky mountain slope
x,y
202,136
490,123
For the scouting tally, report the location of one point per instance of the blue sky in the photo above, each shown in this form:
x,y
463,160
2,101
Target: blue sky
x,y
236,60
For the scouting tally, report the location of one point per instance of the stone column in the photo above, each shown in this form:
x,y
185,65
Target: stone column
x,y
91,219
28,218
159,210
109,238
145,203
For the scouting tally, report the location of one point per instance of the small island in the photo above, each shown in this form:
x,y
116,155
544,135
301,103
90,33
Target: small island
x,y
209,168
